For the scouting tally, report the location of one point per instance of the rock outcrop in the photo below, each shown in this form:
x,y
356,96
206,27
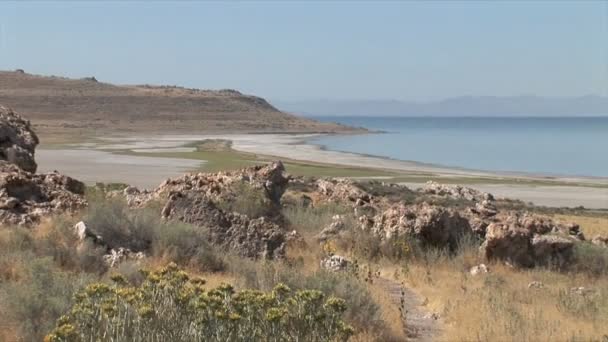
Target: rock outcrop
x,y
17,140
27,197
271,180
456,192
332,230
524,243
334,263
237,233
599,240
432,225
343,190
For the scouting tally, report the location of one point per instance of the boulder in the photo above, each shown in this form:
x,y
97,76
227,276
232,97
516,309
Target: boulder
x,y
343,190
552,250
455,192
271,180
508,243
524,245
432,225
27,197
536,285
479,269
17,140
253,238
336,226
335,263
599,240
119,255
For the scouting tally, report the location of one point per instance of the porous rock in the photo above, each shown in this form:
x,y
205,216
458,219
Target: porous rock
x,y
432,225
27,197
455,191
335,263
17,140
254,238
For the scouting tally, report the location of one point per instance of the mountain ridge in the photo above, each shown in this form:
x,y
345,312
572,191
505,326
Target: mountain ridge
x,y
62,103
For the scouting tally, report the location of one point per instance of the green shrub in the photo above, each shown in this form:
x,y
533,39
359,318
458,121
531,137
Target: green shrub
x,y
171,306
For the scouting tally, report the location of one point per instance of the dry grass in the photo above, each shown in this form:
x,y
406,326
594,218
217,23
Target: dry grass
x,y
591,226
500,306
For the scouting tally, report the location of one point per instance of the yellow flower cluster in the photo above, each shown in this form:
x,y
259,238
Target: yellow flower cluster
x,y
172,306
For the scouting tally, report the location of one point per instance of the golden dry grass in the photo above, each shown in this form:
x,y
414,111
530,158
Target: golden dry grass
x,y
500,306
591,226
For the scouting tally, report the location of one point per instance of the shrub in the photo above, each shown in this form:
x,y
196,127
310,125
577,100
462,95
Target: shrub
x,y
590,259
248,200
120,226
172,306
362,311
307,219
42,295
187,245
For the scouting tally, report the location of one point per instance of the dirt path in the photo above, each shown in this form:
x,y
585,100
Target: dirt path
x,y
420,325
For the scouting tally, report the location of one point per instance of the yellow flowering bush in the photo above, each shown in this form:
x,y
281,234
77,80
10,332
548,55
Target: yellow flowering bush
x,y
170,305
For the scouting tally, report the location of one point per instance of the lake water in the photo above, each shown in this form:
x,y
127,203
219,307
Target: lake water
x,y
559,146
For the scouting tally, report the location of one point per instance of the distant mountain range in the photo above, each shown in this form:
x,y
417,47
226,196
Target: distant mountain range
x,y
458,106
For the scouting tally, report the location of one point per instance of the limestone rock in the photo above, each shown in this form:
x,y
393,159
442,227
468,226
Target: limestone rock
x,y
525,245
552,249
431,224
271,180
26,197
479,269
119,255
336,226
254,238
17,140
536,285
335,263
456,192
600,240
343,190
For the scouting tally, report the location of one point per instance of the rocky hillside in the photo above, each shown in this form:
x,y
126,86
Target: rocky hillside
x,y
62,103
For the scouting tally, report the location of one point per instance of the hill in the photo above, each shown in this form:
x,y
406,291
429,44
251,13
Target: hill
x,y
58,103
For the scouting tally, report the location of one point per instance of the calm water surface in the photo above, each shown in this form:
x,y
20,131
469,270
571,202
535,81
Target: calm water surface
x,y
561,146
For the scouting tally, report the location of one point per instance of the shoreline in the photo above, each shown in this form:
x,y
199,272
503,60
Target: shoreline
x,y
149,153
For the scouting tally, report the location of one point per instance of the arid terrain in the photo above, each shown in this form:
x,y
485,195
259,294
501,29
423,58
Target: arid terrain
x,y
60,106
259,253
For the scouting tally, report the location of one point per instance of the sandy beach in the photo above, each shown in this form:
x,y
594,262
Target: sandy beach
x,y
99,162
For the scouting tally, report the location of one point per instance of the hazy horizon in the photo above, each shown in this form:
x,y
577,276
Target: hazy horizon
x,y
409,51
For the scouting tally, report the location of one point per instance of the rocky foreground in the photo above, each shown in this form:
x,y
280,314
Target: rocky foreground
x,y
438,216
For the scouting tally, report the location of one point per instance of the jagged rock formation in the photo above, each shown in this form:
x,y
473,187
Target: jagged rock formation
x,y
254,238
456,192
194,199
343,190
432,225
17,140
27,197
270,180
334,263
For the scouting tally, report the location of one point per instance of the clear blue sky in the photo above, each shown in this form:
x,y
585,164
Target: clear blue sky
x,y
311,50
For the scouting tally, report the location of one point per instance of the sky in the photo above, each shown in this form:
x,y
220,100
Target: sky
x,y
292,51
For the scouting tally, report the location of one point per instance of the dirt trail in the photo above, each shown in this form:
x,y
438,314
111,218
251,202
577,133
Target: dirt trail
x,y
420,325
